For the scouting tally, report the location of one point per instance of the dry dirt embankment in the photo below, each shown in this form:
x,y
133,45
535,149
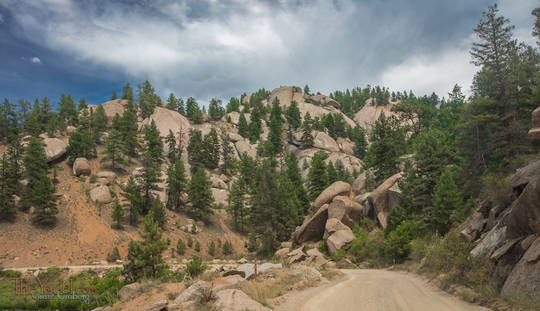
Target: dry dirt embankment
x,y
376,290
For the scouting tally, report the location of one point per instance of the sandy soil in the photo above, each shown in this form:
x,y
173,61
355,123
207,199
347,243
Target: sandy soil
x,y
83,234
376,290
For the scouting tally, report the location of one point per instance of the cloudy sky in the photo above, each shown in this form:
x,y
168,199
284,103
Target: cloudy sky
x,y
222,48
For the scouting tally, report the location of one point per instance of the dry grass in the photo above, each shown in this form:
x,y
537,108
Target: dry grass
x,y
330,273
264,290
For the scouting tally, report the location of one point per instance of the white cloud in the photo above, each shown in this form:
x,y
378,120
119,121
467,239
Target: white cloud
x,y
427,73
223,48
35,60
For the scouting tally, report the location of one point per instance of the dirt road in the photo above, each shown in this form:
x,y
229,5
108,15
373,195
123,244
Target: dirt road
x,y
376,290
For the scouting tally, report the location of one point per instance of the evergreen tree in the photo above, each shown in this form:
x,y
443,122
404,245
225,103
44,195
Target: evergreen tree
x,y
266,208
387,144
67,109
243,128
170,140
80,145
307,90
360,142
317,176
212,249
7,203
117,215
127,93
293,115
180,106
176,184
295,177
447,203
99,121
255,127
144,257
193,112
211,150
215,110
200,195
114,149
172,103
227,151
157,212
24,109
8,121
536,29
39,191
148,100
180,247
153,143
233,105
331,173
114,96
132,193
195,156
275,128
129,130
149,176
306,141
237,204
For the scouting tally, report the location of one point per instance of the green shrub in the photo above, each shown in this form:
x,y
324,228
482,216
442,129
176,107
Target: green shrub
x,y
398,242
195,266
93,178
227,248
180,247
368,247
189,241
197,247
212,249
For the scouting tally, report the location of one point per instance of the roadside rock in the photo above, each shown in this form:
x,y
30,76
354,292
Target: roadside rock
x,y
339,239
54,148
337,188
129,291
157,306
307,273
100,194
493,240
296,255
282,252
192,293
312,228
333,225
81,166
249,268
525,212
315,258
236,300
525,277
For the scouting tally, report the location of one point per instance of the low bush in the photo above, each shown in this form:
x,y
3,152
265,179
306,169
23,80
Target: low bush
x,y
195,266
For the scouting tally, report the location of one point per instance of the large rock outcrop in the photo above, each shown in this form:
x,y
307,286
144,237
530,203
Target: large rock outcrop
x,y
168,120
385,197
54,148
367,116
525,277
524,216
337,188
312,228
339,235
112,108
323,141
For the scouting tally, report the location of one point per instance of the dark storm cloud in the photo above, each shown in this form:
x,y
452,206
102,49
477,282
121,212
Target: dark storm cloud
x,y
222,48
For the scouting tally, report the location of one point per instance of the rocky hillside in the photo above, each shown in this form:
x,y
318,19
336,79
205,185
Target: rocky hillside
x,y
87,189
